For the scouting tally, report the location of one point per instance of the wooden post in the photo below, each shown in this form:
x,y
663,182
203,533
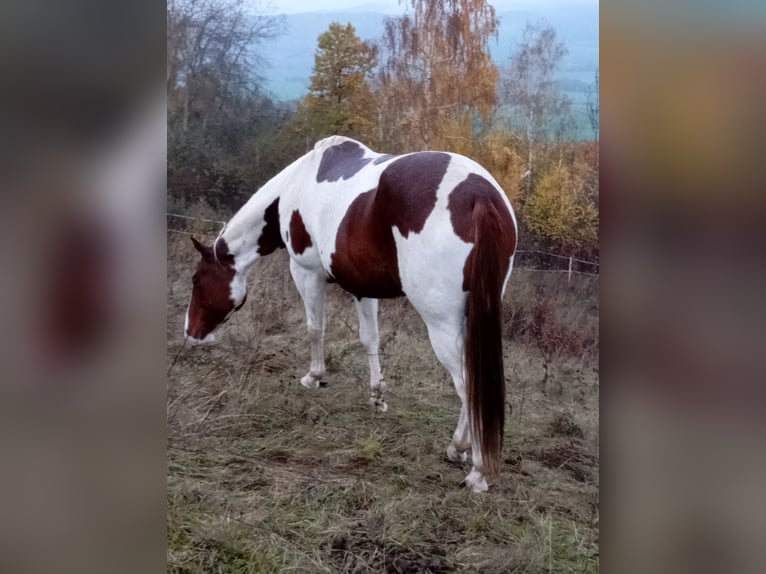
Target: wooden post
x,y
570,269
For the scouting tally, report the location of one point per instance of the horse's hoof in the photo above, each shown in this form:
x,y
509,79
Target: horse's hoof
x,y
310,381
454,455
478,488
476,482
379,404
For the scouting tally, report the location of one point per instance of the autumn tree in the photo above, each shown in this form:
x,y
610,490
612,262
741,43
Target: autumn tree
x,y
562,210
437,79
529,88
340,100
499,153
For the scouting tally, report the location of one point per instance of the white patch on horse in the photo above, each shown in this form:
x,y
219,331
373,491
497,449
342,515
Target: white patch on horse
x,y
238,288
209,339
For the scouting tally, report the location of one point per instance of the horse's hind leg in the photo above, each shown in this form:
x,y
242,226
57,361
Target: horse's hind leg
x,y
447,338
368,335
447,342
312,288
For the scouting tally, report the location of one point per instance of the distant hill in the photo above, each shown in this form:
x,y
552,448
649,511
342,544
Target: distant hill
x,y
291,56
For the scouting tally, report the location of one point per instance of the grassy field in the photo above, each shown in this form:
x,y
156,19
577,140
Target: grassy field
x,y
265,475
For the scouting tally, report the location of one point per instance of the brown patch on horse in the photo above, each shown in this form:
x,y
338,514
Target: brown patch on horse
x,y
211,289
407,190
341,161
271,237
300,238
461,204
365,261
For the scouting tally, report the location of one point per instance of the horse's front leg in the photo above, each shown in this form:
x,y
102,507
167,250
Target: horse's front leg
x,y
312,288
368,334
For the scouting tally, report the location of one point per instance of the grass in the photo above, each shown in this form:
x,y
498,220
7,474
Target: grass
x,y
267,476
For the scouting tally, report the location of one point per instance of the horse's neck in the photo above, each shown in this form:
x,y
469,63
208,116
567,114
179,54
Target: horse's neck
x,y
243,231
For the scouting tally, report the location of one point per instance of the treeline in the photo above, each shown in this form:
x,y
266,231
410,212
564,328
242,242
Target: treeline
x,y
428,83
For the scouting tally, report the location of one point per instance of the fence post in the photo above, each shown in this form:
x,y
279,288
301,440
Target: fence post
x,y
569,280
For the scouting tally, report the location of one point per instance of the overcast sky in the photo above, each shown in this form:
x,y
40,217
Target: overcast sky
x,y
293,6
388,6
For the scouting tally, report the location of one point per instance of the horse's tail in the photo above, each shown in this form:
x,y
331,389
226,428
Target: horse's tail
x,y
484,276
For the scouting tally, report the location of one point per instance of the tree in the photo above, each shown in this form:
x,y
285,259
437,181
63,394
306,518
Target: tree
x,y
437,80
562,210
211,57
592,106
340,100
218,118
530,88
499,154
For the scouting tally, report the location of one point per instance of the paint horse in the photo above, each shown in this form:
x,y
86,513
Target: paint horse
x,y
433,226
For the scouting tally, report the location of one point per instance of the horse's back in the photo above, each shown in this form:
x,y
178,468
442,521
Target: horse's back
x,y
386,226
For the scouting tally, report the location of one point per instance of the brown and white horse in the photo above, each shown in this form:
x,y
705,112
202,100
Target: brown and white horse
x,y
432,226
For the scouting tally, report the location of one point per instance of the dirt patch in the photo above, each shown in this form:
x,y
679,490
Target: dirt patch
x,y
570,457
362,554
563,424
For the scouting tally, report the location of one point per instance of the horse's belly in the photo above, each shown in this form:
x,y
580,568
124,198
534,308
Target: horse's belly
x,y
367,269
372,287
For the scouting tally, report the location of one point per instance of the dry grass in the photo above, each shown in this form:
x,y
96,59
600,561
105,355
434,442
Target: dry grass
x,y
267,476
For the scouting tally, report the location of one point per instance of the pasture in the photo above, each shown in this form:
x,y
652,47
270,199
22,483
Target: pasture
x,y
265,475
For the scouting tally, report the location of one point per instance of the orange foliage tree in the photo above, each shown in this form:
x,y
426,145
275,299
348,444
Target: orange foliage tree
x,y
437,78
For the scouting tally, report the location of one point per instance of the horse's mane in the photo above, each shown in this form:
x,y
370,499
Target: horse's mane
x,y
215,243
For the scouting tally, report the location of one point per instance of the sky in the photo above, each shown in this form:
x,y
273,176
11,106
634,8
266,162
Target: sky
x,y
393,6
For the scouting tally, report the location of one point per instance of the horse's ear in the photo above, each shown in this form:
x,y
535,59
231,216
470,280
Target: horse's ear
x,y
206,252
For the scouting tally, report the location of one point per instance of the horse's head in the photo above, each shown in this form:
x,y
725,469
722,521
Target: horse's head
x,y
217,291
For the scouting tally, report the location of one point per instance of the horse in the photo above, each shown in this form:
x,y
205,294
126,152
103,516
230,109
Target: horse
x,y
432,226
